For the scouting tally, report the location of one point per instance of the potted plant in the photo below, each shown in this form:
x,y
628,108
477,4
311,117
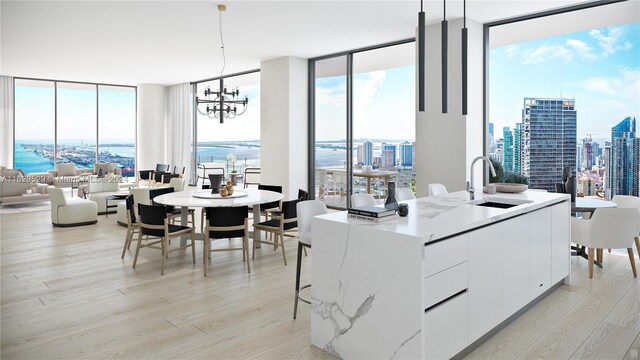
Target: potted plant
x,y
233,175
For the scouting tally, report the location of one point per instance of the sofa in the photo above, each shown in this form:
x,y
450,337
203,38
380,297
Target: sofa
x,y
71,211
65,174
16,188
97,189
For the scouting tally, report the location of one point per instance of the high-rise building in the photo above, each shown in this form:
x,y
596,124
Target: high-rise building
x,y
548,140
364,153
389,155
517,148
406,154
507,162
491,137
607,171
588,155
587,186
625,157
578,157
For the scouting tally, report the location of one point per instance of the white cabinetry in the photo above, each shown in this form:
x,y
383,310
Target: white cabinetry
x,y
485,280
515,265
540,252
560,242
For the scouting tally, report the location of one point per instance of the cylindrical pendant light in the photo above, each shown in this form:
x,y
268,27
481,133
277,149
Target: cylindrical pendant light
x,y
464,58
444,41
421,60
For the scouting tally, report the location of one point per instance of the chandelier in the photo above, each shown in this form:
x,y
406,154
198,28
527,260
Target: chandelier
x,y
222,103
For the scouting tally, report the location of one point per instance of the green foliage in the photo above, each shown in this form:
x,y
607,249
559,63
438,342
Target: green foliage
x,y
506,176
499,172
512,177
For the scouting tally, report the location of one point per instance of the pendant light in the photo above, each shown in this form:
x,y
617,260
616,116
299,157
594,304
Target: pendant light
x,y
421,40
464,57
444,41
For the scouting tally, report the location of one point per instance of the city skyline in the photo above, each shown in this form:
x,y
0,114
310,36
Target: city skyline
x,y
599,68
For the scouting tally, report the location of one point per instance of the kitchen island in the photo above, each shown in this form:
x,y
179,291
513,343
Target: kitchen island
x,y
431,284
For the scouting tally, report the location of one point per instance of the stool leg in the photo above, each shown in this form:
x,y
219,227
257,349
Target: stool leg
x,y
295,304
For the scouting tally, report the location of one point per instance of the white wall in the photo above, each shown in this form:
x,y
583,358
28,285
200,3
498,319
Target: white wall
x,y
6,121
150,126
283,124
447,143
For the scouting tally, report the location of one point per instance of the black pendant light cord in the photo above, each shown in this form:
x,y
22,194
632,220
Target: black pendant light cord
x,y
445,50
421,59
464,14
221,42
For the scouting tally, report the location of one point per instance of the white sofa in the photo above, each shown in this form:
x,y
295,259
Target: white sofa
x,y
71,211
99,188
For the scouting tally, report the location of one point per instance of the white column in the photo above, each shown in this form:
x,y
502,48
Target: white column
x,y
6,123
283,124
447,143
150,127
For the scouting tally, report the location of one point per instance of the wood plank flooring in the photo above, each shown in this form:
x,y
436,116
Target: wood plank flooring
x,y
65,293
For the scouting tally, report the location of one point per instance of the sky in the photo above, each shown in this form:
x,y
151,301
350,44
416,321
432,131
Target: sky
x,y
35,113
600,68
383,105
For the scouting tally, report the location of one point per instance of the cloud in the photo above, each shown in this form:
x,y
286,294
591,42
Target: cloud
x,y
544,53
332,95
512,50
582,49
624,86
611,40
366,89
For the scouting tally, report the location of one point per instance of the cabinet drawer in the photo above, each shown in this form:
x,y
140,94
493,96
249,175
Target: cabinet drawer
x,y
445,254
445,284
446,328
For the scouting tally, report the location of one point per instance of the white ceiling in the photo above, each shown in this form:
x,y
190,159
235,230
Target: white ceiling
x,y
168,42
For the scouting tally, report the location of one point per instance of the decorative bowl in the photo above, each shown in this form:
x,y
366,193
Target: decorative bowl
x,y
510,187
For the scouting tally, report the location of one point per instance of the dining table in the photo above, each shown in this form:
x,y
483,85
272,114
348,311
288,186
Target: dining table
x,y
587,206
368,175
198,198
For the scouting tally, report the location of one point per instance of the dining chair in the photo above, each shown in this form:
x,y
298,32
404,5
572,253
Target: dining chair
x,y
153,175
154,224
224,223
266,208
306,210
278,226
358,200
437,189
629,202
612,228
171,210
403,194
133,225
168,176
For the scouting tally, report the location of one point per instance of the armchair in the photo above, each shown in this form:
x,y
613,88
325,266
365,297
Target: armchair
x,y
153,175
166,177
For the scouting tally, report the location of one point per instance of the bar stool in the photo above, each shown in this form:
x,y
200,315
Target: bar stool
x,y
306,211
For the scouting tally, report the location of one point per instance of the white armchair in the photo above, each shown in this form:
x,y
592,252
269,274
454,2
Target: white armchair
x,y
358,200
71,211
403,194
629,202
608,228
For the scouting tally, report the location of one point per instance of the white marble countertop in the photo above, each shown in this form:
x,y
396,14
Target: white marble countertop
x,y
436,217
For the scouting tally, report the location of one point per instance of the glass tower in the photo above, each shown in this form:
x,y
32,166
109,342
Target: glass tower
x,y
507,162
625,154
517,148
548,140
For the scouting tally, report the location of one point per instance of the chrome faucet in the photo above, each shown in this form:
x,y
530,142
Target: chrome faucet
x,y
470,187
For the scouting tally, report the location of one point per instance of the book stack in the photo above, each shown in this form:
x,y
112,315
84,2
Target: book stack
x,y
371,213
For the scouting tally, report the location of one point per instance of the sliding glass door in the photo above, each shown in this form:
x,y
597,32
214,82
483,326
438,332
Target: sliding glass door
x,y
363,122
331,131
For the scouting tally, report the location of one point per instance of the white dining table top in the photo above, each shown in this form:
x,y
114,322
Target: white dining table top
x,y
591,203
186,198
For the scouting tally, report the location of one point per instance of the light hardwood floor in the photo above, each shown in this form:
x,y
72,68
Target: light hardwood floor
x,y
67,294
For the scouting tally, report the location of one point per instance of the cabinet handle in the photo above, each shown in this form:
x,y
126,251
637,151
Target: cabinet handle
x,y
541,285
445,300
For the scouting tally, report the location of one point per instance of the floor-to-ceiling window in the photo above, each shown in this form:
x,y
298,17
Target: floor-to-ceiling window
x,y
568,99
363,116
117,127
35,125
76,124
59,122
218,144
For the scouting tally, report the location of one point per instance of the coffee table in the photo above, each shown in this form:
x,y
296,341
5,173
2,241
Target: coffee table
x,y
114,197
